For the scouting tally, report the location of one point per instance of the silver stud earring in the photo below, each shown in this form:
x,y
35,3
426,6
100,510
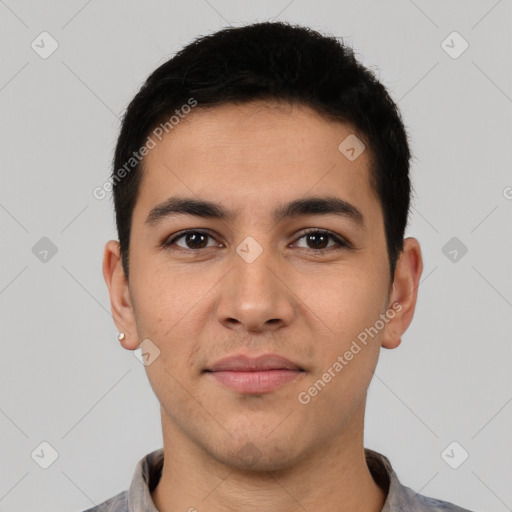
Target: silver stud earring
x,y
120,336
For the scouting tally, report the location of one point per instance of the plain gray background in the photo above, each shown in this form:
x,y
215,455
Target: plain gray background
x,y
65,379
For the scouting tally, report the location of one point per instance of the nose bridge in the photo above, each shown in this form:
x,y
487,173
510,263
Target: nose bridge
x,y
253,295
251,271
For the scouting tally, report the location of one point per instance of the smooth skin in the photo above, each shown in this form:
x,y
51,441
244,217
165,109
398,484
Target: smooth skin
x,y
306,299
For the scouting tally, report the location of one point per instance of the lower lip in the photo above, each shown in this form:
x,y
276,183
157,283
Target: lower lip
x,y
255,382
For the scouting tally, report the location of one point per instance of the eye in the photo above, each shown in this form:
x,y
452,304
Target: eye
x,y
319,238
192,239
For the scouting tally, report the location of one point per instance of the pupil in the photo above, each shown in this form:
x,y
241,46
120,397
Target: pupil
x,y
193,237
317,235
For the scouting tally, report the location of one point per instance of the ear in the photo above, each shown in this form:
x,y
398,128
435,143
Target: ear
x,y
404,293
120,299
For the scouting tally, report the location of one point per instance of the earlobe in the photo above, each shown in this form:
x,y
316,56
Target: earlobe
x,y
120,300
404,294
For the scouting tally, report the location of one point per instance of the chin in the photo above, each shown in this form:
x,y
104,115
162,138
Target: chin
x,y
260,454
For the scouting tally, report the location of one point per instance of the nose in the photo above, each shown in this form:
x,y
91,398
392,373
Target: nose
x,y
255,296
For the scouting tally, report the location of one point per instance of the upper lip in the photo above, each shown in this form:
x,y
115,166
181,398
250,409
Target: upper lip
x,y
244,363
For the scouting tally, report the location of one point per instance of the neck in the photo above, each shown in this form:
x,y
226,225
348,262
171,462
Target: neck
x,y
334,478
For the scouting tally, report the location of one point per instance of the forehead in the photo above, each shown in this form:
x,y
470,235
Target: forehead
x,y
255,154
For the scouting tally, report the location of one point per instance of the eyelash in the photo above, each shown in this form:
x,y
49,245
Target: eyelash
x,y
341,244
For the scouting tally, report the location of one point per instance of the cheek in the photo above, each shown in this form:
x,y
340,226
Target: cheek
x,y
343,303
349,307
163,301
171,321
346,355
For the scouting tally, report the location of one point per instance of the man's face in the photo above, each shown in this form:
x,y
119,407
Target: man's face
x,y
254,284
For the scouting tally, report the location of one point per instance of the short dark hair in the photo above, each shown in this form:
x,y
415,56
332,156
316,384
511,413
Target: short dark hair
x,y
271,61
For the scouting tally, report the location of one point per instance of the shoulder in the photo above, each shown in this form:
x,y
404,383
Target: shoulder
x,y
401,498
118,503
419,503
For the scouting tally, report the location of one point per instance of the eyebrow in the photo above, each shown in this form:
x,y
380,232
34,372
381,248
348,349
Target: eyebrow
x,y
328,205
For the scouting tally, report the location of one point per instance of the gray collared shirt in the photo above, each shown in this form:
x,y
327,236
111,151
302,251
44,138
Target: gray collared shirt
x,y
149,469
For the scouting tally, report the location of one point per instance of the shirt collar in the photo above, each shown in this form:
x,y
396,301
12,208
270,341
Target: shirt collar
x,y
149,470
145,478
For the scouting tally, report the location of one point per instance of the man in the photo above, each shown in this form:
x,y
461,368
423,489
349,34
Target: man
x,y
262,193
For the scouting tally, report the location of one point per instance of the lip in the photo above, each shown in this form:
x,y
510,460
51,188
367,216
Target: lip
x,y
254,375
244,363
